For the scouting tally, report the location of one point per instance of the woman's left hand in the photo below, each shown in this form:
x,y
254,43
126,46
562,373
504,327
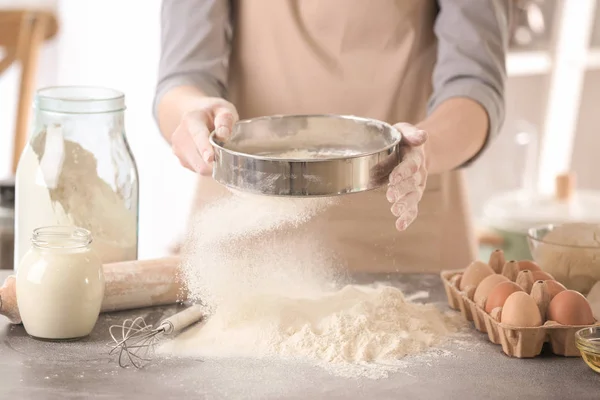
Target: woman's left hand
x,y
408,179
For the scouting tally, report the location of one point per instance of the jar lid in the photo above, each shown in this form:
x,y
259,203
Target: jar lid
x,y
518,211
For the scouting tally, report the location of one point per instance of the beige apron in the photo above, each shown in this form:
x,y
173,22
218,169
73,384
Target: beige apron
x,y
372,59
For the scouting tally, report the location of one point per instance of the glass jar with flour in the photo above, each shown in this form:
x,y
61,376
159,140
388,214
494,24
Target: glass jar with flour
x,y
78,170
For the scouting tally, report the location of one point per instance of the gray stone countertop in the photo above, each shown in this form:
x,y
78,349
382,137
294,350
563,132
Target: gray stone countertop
x,y
34,369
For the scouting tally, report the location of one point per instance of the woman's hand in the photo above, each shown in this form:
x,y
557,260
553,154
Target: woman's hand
x,y
190,139
408,179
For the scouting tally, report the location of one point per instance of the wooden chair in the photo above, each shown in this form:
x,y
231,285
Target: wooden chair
x,y
22,33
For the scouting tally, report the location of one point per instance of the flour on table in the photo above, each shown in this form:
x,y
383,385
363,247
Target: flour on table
x,y
274,294
356,330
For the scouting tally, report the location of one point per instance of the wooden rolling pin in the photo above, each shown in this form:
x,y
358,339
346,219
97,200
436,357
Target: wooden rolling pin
x,y
129,285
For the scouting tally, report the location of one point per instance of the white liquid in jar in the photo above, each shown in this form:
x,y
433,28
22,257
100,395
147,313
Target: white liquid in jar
x,y
60,291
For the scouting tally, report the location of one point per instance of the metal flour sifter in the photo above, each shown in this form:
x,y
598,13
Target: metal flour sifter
x,y
307,155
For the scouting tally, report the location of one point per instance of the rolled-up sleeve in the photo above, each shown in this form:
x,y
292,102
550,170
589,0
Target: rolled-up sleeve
x,y
195,46
471,61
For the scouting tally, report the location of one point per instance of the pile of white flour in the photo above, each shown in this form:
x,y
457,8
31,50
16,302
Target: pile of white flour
x,y
274,294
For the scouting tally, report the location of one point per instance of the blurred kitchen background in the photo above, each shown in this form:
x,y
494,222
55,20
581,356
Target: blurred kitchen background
x,y
553,99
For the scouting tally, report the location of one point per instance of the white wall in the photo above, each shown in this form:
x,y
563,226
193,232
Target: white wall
x,y
586,159
499,169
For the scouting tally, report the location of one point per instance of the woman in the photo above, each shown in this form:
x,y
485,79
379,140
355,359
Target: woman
x,y
428,66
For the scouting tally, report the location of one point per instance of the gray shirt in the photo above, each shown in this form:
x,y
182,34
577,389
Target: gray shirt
x,y
472,41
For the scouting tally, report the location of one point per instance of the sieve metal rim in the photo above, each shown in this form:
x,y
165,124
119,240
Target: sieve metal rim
x,y
215,142
311,177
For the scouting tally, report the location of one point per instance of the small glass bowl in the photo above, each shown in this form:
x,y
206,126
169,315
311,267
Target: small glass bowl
x,y
587,341
577,267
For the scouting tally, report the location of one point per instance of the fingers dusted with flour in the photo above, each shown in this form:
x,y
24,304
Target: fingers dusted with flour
x,y
407,181
412,135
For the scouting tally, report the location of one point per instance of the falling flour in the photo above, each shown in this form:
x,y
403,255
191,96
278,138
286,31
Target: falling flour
x,y
274,293
240,246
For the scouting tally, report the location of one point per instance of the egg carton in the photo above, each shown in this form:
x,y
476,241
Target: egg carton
x,y
524,342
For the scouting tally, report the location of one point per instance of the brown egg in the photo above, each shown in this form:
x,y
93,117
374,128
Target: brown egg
x,y
485,287
528,264
474,274
521,310
570,308
541,276
499,294
554,288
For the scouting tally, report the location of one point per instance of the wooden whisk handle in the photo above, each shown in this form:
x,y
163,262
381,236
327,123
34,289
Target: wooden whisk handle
x,y
182,319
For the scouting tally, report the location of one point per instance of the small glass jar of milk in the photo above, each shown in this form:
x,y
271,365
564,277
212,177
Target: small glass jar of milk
x,y
60,284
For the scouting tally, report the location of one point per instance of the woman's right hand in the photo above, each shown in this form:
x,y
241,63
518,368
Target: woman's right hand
x,y
190,139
